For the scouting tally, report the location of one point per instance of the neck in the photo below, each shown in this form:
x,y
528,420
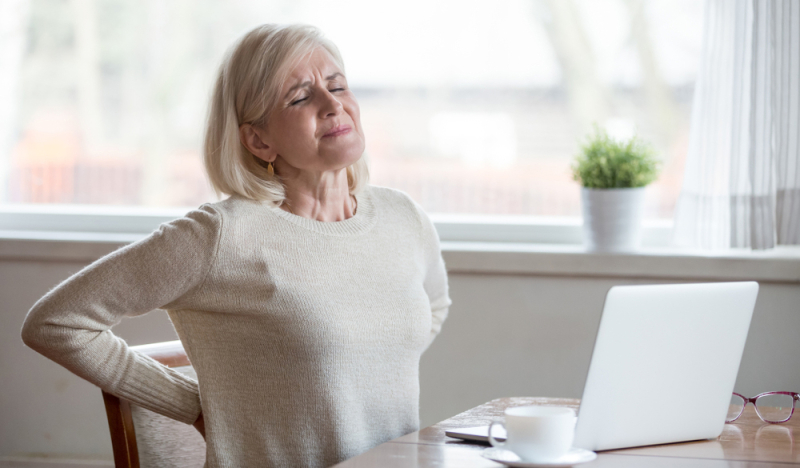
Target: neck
x,y
322,197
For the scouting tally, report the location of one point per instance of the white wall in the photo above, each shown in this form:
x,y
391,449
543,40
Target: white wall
x,y
507,335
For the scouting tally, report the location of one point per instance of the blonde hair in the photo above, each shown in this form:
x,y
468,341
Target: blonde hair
x,y
247,90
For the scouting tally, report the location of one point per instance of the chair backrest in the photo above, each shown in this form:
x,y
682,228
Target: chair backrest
x,y
143,439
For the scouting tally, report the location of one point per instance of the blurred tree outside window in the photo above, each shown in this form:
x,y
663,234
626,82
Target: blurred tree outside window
x,y
468,106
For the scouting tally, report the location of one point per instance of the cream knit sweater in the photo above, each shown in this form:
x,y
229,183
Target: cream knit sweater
x,y
306,336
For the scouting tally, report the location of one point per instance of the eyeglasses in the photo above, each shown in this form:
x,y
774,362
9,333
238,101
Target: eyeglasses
x,y
771,407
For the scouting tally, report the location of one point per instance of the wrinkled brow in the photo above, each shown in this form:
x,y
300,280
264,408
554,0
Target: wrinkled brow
x,y
306,84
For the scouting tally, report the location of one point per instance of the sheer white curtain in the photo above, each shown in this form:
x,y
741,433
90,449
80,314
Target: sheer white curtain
x,y
742,182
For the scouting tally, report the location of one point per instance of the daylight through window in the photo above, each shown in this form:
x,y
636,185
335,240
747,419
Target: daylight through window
x,y
468,106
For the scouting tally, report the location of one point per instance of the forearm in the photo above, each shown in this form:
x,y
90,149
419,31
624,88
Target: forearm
x,y
105,360
71,325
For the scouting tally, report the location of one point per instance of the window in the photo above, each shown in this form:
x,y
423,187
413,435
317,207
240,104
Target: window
x,y
473,107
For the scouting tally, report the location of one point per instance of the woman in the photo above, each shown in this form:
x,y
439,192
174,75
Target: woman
x,y
304,300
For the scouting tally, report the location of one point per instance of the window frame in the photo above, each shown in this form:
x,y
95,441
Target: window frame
x,y
93,222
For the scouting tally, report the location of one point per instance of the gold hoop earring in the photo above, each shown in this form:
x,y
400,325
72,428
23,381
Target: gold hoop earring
x,y
270,170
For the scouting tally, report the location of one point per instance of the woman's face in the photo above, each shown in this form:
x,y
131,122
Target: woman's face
x,y
317,125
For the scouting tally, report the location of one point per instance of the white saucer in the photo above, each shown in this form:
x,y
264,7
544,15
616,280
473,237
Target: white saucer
x,y
509,458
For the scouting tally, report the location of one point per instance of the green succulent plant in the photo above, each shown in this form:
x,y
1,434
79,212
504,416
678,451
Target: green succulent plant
x,y
605,163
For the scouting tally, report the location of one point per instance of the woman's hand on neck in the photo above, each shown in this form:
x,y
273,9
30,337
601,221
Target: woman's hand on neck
x,y
321,196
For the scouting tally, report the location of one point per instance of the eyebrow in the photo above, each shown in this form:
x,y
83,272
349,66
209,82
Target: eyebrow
x,y
307,83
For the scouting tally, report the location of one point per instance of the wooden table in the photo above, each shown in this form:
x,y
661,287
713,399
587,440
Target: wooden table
x,y
749,442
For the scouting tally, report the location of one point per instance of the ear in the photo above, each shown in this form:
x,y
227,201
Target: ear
x,y
254,139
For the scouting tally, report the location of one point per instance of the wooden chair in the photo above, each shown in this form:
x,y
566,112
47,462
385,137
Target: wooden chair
x,y
143,439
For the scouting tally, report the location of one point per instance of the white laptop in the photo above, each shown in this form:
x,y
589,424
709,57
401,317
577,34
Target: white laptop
x,y
664,365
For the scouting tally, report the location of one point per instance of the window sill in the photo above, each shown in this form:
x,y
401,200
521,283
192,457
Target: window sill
x,y
780,265
61,246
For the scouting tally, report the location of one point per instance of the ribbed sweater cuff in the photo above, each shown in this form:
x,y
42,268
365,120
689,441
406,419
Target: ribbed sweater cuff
x,y
153,386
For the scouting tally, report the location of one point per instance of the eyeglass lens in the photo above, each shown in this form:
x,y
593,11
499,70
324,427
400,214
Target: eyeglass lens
x,y
774,408
736,407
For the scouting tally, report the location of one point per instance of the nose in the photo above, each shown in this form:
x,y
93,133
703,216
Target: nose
x,y
331,106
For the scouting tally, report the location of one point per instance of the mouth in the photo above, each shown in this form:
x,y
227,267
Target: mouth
x,y
338,130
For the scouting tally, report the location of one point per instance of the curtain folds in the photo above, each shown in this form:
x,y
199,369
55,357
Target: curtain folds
x,y
742,179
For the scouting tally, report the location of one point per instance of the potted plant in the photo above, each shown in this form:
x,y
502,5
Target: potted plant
x,y
613,175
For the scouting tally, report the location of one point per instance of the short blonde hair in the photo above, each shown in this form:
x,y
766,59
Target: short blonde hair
x,y
247,90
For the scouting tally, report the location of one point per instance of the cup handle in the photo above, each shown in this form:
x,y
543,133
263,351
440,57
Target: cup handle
x,y
492,440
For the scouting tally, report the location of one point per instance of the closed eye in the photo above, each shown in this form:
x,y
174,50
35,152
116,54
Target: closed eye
x,y
298,101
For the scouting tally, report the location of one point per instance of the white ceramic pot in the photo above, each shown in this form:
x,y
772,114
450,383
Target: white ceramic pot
x,y
612,219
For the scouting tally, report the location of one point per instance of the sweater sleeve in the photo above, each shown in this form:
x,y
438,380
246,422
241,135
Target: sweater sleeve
x,y
71,324
436,284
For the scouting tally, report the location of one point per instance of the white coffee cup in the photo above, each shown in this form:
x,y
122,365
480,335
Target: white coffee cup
x,y
537,433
